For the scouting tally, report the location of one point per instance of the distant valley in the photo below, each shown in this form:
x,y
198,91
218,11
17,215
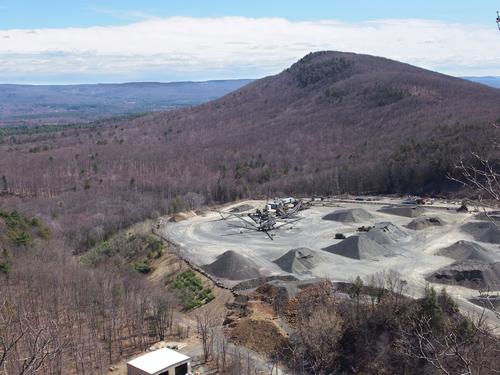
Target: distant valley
x,y
44,104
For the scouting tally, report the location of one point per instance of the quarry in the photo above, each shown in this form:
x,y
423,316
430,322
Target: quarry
x,y
340,239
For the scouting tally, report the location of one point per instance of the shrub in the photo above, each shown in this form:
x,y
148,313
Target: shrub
x,y
21,229
43,232
21,239
4,262
431,308
142,267
4,267
91,258
190,289
130,247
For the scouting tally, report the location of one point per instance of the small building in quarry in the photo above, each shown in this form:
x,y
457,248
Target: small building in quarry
x,y
160,362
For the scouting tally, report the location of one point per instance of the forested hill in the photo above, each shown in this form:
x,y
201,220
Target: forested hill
x,y
333,122
381,125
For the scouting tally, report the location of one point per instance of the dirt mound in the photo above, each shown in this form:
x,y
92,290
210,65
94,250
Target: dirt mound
x,y
465,250
260,335
484,231
353,215
279,293
233,266
359,247
299,260
181,216
425,222
406,211
387,234
469,273
241,208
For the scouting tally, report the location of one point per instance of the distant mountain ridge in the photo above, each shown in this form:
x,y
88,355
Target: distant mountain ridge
x,y
59,104
489,80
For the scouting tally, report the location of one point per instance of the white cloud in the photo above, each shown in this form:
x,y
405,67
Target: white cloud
x,y
181,47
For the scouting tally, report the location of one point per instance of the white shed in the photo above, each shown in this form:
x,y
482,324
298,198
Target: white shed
x,y
160,362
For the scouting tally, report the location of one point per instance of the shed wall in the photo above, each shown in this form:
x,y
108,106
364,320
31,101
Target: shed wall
x,y
131,370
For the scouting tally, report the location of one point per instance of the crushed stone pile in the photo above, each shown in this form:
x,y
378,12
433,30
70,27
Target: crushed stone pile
x,y
484,231
466,250
425,222
470,274
488,216
241,208
233,266
406,211
388,234
353,215
299,261
359,247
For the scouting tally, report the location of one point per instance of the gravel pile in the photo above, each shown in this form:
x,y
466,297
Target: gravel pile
x,y
406,211
233,266
492,215
359,247
422,223
470,274
484,231
388,234
353,215
241,208
466,250
299,261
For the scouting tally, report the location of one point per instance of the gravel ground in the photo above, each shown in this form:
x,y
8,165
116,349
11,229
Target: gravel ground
x,y
202,239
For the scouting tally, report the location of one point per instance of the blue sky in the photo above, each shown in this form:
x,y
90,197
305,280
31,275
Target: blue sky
x,y
81,13
77,41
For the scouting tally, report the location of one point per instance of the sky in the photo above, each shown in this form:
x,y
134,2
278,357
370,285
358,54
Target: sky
x,y
86,41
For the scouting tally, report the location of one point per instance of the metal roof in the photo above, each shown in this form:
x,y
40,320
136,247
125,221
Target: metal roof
x,y
158,360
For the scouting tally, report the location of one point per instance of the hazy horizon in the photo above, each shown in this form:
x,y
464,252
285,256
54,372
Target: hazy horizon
x,y
469,77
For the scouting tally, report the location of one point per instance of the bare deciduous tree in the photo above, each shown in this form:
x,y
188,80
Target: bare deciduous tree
x,y
481,175
465,348
206,323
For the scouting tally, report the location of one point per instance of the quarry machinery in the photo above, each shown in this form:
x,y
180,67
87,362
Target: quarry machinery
x,y
260,223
